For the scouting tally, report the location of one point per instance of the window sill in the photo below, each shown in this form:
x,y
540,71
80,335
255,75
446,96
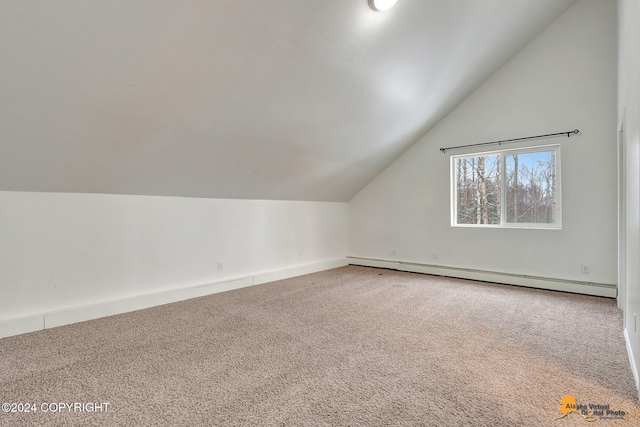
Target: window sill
x,y
511,226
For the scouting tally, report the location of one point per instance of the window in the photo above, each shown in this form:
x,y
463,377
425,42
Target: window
x,y
508,188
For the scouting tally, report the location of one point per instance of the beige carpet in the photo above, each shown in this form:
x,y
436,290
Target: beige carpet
x,y
348,347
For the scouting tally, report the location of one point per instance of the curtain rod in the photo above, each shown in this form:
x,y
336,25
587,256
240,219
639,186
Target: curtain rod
x,y
549,135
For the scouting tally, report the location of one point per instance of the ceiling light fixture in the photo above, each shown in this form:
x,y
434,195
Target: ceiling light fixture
x,y
380,5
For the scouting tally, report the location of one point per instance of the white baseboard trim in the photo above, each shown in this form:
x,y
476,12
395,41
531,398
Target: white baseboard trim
x,y
21,325
586,288
299,270
124,305
632,361
98,310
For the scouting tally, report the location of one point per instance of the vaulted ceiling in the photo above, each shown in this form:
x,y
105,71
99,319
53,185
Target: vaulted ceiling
x,y
278,99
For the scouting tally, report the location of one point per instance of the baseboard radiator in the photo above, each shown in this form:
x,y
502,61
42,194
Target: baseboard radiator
x,y
587,288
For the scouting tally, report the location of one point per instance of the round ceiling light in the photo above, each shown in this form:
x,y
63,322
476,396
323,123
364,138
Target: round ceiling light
x,y
380,5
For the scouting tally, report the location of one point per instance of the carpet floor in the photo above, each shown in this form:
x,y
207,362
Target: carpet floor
x,y
353,346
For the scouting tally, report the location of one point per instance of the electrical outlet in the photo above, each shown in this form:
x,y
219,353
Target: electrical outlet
x,y
219,265
435,255
393,252
300,253
585,269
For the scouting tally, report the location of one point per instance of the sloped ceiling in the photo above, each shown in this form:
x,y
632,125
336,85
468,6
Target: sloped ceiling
x,y
278,99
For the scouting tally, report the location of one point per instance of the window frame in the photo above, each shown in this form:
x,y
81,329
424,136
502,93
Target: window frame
x,y
503,196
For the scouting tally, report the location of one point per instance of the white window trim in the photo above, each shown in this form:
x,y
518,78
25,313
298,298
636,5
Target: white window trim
x,y
503,212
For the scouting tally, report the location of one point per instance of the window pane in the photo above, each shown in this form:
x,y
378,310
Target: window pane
x,y
478,190
531,187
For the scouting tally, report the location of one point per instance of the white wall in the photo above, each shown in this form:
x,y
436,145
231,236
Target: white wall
x,y
60,251
629,114
564,79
